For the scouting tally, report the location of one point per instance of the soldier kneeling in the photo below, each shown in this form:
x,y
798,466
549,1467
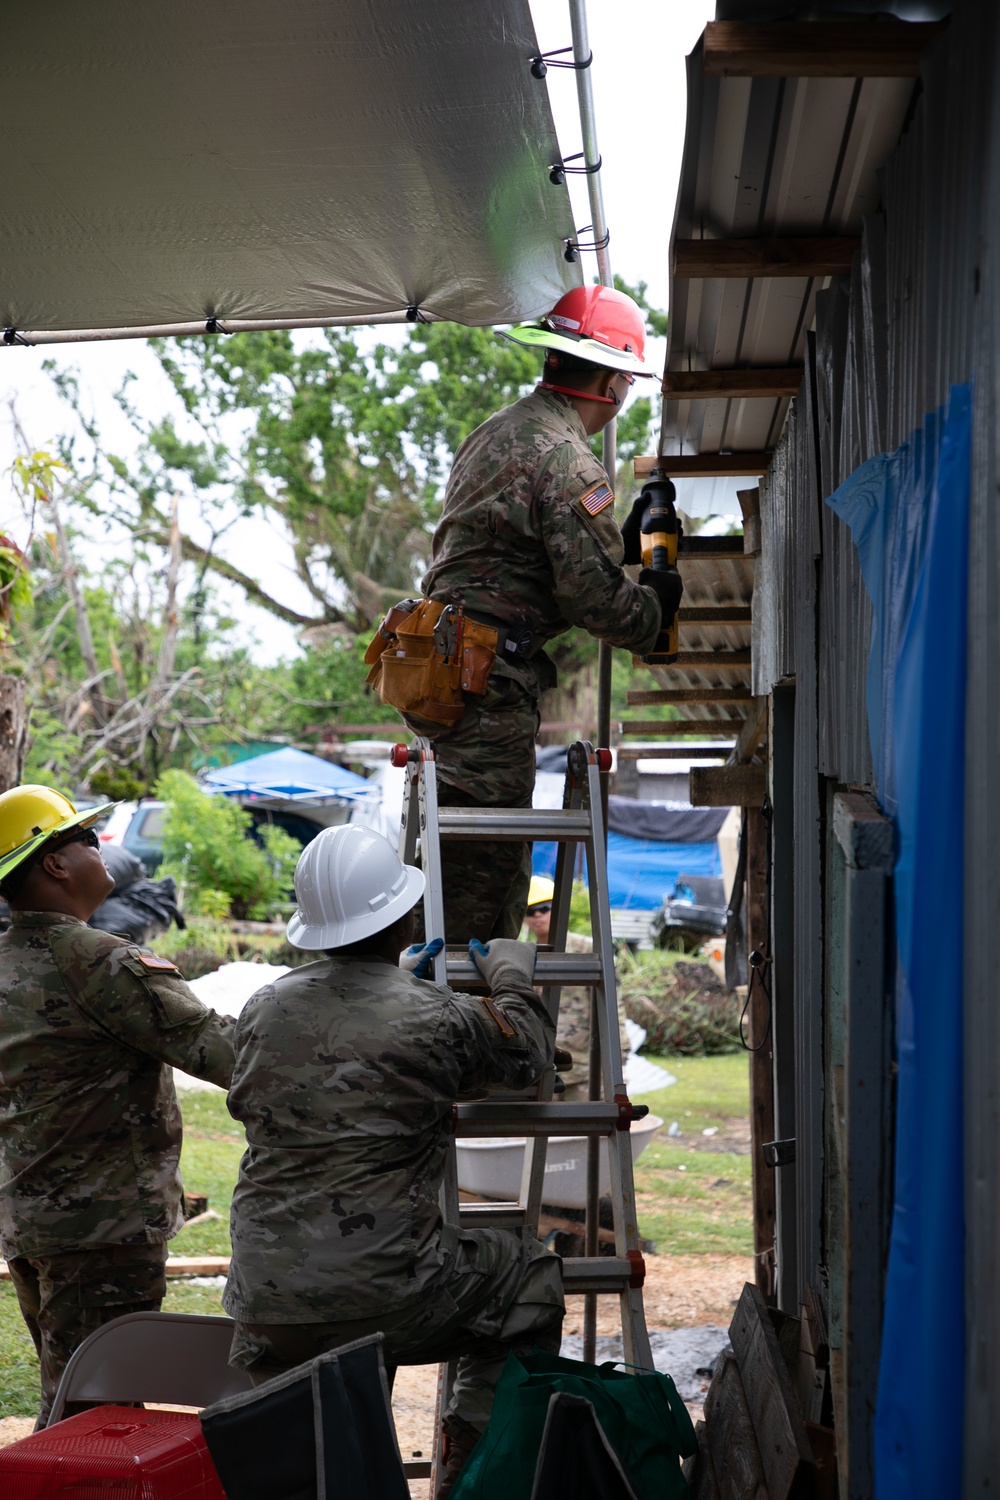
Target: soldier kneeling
x,y
345,1077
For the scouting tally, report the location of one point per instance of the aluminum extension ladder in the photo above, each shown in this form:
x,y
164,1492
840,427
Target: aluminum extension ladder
x,y
609,1114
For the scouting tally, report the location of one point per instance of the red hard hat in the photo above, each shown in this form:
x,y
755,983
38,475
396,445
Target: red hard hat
x,y
596,323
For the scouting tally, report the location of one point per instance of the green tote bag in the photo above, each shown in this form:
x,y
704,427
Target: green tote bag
x,y
641,1414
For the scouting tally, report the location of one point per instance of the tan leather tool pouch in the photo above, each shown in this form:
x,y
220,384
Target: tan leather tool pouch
x,y
411,672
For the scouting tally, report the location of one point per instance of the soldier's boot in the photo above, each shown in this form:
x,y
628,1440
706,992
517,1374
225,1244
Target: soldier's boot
x,y
460,1437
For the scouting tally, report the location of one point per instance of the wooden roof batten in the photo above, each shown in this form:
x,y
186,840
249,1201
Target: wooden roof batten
x,y
888,48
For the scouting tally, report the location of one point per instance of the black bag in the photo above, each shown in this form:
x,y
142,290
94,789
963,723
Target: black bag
x,y
320,1431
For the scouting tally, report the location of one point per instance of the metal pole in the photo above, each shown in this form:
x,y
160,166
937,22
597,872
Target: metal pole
x,y
591,156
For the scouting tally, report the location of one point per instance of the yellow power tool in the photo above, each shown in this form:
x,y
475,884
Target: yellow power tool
x,y
659,534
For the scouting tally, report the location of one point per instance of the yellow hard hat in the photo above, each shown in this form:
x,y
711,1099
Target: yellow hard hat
x,y
31,815
540,890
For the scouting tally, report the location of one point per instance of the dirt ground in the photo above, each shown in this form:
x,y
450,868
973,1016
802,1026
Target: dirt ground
x,y
681,1291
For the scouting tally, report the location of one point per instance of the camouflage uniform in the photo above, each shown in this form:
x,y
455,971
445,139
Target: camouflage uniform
x,y
345,1077
90,1131
527,535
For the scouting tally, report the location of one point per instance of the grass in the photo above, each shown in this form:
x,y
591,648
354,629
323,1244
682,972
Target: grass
x,y
707,1205
704,1208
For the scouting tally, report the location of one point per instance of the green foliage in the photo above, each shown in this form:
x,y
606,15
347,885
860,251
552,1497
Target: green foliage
x,y
208,849
117,785
204,945
579,909
683,1006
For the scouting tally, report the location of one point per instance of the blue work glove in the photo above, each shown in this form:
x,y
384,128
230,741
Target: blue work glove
x,y
419,958
504,962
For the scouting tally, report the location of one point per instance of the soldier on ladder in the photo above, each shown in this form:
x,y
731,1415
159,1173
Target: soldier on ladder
x,y
527,546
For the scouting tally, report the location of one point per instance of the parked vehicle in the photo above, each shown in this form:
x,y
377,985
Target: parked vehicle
x,y
694,910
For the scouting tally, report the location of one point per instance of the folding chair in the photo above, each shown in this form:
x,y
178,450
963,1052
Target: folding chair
x,y
177,1359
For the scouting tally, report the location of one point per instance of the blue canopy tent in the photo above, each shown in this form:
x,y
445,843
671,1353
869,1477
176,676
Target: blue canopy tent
x,y
288,775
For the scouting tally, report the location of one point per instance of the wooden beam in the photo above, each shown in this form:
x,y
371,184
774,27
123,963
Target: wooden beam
x,y
761,1055
690,695
820,255
676,728
750,736
713,661
727,786
750,506
718,751
714,614
702,465
711,385
816,49
781,1435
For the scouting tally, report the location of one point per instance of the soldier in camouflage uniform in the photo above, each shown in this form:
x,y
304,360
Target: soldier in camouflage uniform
x,y
346,1073
528,542
90,1131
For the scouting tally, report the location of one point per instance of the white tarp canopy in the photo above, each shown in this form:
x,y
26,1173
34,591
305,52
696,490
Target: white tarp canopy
x,y
311,161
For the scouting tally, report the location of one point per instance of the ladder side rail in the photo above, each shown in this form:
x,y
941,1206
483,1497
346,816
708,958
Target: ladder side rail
x,y
409,824
536,1148
635,1337
430,858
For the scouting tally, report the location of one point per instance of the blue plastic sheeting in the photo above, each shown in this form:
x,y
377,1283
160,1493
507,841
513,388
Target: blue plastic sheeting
x,y
288,775
909,514
641,871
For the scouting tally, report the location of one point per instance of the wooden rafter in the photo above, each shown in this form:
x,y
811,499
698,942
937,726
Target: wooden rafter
x,y
818,255
684,465
816,49
712,385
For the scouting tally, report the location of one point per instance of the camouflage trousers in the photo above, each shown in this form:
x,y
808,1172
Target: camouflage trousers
x,y
503,1293
573,1034
64,1297
486,760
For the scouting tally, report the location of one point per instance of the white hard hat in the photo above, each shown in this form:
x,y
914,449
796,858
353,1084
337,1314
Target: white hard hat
x,y
349,884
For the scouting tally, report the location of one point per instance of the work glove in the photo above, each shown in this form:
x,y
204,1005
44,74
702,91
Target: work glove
x,y
631,529
419,958
668,587
504,963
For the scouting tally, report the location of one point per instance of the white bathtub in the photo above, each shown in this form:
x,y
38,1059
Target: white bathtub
x,y
491,1167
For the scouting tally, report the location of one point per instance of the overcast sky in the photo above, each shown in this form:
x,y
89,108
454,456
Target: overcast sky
x,y
639,86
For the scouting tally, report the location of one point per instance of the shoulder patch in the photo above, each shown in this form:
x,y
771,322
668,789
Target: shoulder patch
x,y
597,498
153,963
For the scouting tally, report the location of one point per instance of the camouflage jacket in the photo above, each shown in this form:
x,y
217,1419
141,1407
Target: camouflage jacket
x,y
528,531
90,1131
345,1078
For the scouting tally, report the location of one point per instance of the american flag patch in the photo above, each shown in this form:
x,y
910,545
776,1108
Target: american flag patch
x,y
597,499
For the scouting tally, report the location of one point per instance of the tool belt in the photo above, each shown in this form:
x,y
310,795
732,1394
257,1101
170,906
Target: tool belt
x,y
425,656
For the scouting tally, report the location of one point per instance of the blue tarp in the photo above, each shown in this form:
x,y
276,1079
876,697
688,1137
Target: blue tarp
x,y
288,775
909,515
641,871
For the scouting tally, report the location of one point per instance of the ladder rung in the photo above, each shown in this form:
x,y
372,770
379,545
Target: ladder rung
x,y
598,1273
529,1117
550,968
567,826
496,1215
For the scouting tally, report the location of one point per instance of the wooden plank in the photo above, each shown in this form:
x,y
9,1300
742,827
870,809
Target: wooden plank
x,y
736,1457
727,786
731,385
674,752
713,661
714,614
699,1471
750,737
637,699
784,1447
761,1059
814,1358
816,255
750,506
816,49
706,465
676,728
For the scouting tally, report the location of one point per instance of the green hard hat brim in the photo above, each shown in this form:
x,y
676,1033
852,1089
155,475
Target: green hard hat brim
x,y
10,862
530,336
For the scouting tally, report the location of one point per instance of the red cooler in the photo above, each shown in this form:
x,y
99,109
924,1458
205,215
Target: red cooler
x,y
112,1453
